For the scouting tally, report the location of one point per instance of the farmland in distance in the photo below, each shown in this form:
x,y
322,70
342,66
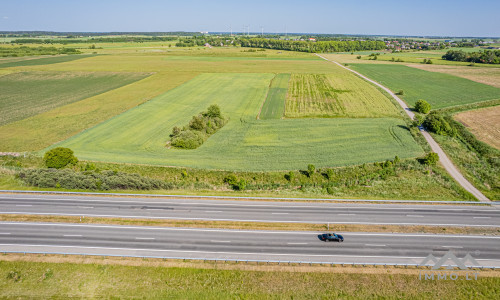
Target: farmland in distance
x,y
440,90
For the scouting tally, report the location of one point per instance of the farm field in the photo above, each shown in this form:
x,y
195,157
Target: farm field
x,y
37,61
25,94
489,76
335,95
274,105
440,90
140,134
483,123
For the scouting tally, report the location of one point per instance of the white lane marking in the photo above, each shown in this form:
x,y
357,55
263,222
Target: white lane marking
x,y
4,233
86,207
374,245
144,238
346,214
482,217
213,211
72,235
279,213
297,243
458,247
430,235
415,216
154,209
281,205
215,241
245,220
23,205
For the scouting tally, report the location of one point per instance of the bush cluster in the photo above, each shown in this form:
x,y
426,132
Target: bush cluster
x,y
486,56
430,159
237,185
90,180
28,51
437,123
199,129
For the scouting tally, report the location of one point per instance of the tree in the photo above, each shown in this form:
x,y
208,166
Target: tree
x,y
330,174
310,170
213,111
431,158
422,106
59,158
290,176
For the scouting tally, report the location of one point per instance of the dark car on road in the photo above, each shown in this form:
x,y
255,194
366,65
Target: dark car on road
x,y
331,237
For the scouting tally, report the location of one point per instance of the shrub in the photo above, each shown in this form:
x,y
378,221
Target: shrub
x,y
237,185
358,57
431,158
189,139
429,62
290,176
330,174
400,92
310,170
422,106
213,111
59,158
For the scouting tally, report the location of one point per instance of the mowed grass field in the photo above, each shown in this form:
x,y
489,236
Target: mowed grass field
x,y
25,94
335,95
274,105
440,90
140,134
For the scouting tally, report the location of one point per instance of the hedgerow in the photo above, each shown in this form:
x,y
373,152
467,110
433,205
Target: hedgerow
x,y
90,180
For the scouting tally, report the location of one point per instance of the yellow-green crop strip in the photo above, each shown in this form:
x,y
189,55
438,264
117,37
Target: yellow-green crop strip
x,y
140,135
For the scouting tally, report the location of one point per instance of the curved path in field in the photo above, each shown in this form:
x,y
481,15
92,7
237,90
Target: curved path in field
x,y
443,158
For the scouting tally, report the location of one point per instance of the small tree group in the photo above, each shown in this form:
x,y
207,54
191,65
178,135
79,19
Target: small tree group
x,y
431,158
199,129
422,106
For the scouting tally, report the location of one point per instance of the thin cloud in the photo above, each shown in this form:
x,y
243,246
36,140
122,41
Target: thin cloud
x,y
5,18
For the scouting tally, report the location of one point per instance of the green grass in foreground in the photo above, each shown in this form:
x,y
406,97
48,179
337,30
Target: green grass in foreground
x,y
68,280
440,90
139,135
274,105
26,94
42,61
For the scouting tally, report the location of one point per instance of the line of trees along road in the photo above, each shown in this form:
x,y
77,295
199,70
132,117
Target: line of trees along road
x,y
313,47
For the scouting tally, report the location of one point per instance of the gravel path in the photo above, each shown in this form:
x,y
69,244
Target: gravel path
x,y
443,158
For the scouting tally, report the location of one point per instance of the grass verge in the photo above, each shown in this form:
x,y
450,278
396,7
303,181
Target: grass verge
x,y
253,225
42,277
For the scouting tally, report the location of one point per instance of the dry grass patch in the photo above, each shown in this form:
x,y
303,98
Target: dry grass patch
x,y
489,76
484,123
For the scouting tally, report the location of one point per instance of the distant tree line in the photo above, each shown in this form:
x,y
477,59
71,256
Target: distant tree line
x,y
486,56
123,39
28,51
313,47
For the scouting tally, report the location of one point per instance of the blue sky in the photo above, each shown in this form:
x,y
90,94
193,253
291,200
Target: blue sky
x,y
424,17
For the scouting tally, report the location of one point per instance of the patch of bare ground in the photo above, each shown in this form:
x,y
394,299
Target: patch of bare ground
x,y
484,123
489,76
254,225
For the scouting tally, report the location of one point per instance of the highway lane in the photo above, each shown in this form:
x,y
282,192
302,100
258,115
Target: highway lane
x,y
241,244
254,211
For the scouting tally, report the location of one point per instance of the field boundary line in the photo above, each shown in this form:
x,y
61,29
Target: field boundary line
x,y
443,158
243,197
267,94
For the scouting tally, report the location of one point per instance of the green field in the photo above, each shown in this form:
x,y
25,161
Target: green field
x,y
154,279
140,134
440,90
274,106
41,61
26,94
335,95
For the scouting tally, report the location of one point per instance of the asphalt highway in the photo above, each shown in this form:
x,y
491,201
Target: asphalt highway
x,y
241,244
251,211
